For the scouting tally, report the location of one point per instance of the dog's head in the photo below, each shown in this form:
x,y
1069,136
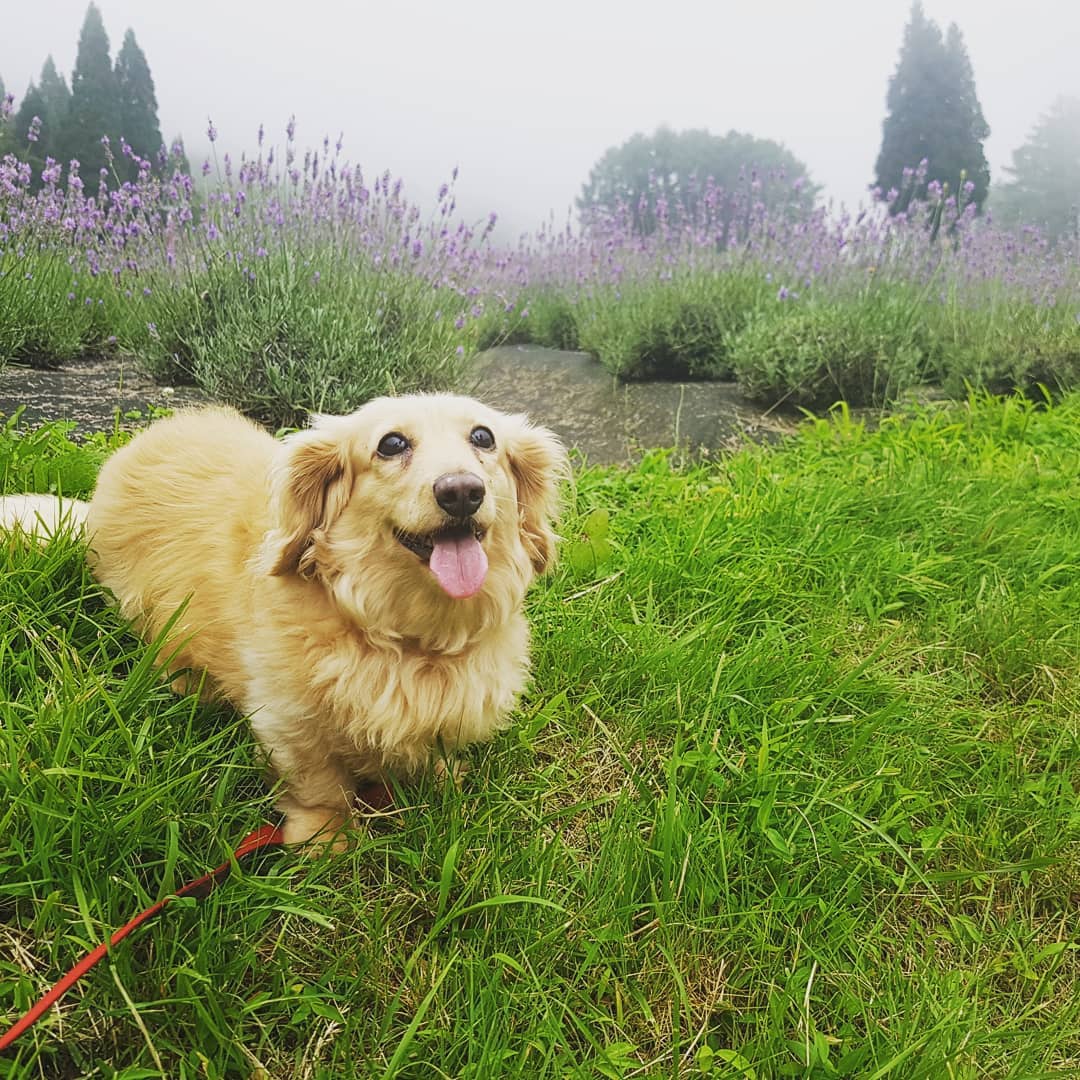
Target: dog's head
x,y
416,502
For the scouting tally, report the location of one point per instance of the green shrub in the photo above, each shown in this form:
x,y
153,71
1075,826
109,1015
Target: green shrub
x,y
676,329
305,337
546,318
1018,351
42,321
815,356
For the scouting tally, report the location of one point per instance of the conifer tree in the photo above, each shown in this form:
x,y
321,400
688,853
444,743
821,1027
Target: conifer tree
x,y
933,114
95,105
27,125
1044,188
138,103
964,124
55,102
5,122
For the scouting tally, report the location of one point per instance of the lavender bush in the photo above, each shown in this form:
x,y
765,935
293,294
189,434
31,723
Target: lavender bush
x,y
283,285
808,308
289,282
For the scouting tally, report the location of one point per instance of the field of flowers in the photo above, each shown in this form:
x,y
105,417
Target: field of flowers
x,y
794,790
291,281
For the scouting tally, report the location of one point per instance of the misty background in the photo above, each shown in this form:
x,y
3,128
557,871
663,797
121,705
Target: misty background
x,y
526,100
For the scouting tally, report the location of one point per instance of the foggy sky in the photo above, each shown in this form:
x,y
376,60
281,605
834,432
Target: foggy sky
x,y
526,97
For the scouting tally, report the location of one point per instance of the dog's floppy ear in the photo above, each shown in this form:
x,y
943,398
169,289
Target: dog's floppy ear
x,y
309,488
539,465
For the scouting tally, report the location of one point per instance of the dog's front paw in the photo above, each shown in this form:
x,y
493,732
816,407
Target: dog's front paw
x,y
452,770
317,829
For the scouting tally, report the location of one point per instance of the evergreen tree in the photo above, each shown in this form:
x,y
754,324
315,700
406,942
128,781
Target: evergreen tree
x,y
5,121
933,113
1045,175
178,159
56,100
27,125
138,104
965,125
95,105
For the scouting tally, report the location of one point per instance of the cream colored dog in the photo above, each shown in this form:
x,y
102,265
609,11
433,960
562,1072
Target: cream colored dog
x,y
356,588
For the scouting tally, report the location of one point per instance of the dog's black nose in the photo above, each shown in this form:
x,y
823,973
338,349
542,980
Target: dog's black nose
x,y
459,494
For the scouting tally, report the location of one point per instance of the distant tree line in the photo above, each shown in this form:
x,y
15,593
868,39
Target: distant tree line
x,y
106,101
933,115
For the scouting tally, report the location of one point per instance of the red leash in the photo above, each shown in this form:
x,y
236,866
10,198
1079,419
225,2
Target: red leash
x,y
264,837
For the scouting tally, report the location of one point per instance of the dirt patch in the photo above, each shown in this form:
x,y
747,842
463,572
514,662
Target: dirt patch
x,y
612,422
607,421
88,392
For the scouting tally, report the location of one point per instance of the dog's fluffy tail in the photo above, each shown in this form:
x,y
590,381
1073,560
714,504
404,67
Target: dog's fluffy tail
x,y
41,515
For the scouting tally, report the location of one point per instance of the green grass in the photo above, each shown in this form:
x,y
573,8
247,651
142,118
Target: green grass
x,y
794,794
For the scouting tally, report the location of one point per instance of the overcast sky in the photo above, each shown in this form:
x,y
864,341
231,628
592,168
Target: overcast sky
x,y
525,98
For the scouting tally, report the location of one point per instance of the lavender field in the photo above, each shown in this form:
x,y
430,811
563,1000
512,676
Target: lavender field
x,y
793,792
292,281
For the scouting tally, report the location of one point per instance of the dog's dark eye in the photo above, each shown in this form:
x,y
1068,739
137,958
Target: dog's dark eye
x,y
393,444
482,438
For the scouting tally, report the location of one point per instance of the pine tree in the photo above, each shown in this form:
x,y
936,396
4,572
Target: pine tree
x,y
933,114
95,105
178,159
138,104
5,121
964,124
27,125
56,101
1045,175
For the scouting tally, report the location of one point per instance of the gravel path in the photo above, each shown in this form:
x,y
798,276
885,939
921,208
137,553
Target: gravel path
x,y
607,421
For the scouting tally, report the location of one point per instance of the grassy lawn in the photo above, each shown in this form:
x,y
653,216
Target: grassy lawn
x,y
794,794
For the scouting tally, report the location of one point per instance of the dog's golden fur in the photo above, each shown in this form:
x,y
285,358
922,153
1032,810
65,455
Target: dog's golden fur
x,y
299,601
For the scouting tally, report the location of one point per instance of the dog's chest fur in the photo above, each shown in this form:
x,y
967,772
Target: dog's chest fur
x,y
385,707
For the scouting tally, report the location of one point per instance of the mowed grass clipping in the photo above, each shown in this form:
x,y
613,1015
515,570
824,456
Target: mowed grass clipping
x,y
794,794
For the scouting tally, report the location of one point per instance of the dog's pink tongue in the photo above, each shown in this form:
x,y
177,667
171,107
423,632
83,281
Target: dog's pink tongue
x,y
459,564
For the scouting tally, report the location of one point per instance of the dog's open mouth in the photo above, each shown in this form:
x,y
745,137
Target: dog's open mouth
x,y
454,555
